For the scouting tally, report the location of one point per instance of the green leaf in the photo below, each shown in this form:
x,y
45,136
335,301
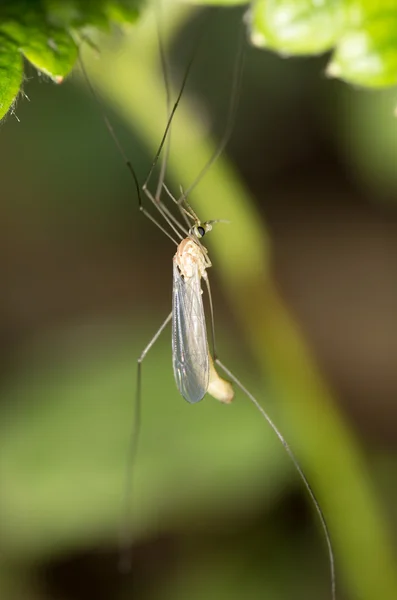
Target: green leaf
x,y
11,75
41,31
367,51
98,13
53,52
296,27
362,32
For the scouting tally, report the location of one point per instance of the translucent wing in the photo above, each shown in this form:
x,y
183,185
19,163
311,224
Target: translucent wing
x,y
189,337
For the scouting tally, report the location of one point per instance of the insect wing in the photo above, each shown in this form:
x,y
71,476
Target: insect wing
x,y
189,337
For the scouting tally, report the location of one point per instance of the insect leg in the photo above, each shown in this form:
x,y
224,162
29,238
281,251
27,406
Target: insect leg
x,y
172,113
212,320
124,156
125,533
230,119
295,461
166,141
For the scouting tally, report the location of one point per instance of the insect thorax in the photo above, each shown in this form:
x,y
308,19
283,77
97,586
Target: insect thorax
x,y
189,257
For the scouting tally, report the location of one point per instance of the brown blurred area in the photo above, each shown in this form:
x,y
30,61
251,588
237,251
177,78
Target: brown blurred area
x,y
337,269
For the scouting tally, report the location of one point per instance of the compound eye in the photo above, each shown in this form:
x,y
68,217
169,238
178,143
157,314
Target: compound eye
x,y
200,231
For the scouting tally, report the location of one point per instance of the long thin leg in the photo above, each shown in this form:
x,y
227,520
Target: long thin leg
x,y
231,114
153,220
298,468
156,200
164,67
212,320
125,158
185,213
125,533
181,208
170,219
182,202
172,114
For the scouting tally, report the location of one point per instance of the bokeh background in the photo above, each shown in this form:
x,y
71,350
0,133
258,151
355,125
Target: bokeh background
x,y
218,510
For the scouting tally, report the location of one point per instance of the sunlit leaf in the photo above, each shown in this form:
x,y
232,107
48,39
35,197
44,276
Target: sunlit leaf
x,y
366,52
363,34
296,27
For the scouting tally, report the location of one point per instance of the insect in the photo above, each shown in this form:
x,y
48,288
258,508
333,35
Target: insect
x,y
194,357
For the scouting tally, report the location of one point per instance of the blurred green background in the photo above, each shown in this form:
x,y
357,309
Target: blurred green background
x,y
218,511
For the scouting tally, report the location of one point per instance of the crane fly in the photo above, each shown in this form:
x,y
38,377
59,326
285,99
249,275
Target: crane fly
x,y
194,363
194,372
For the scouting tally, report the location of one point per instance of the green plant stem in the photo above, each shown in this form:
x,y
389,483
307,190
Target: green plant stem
x,y
242,258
